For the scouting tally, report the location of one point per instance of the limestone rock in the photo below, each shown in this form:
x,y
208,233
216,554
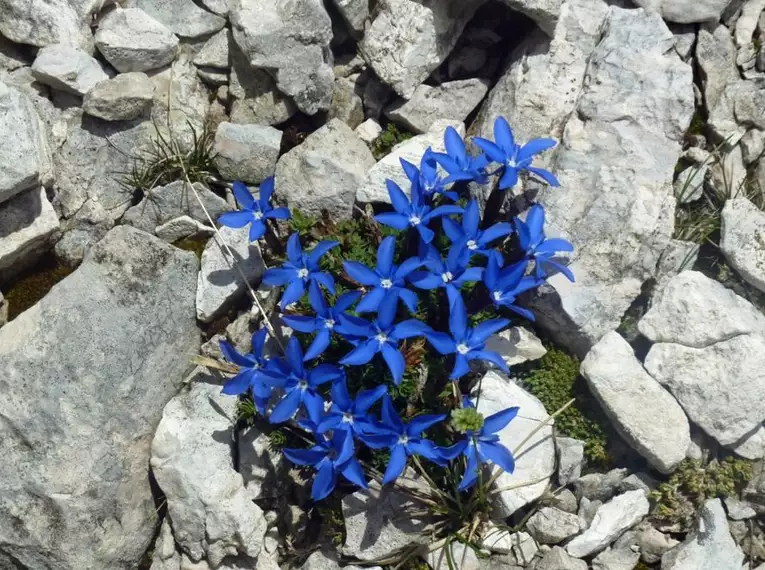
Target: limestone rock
x,y
689,185
3,310
116,335
516,345
67,69
599,486
558,559
255,98
246,152
552,526
368,131
742,240
653,544
460,555
570,454
215,52
124,98
324,172
182,17
686,11
262,469
87,227
355,13
47,23
346,103
27,224
320,560
182,227
716,57
738,510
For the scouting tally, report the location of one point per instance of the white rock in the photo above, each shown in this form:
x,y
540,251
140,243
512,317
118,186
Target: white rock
x,y
738,510
611,520
558,559
289,38
552,526
747,21
544,12
716,57
689,185
182,227
729,173
346,102
328,561
643,412
210,512
183,17
535,463
220,283
165,557
570,455
373,188
123,98
246,152
67,69
215,52
255,98
752,145
262,469
28,223
587,510
516,345
524,547
355,13
742,240
324,172
653,544
709,547
496,539
131,40
456,554
368,131
686,11
453,100
47,23
408,40
616,559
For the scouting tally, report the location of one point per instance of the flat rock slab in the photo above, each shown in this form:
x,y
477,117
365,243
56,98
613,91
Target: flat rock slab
x,y
27,224
67,69
183,17
247,153
742,240
86,373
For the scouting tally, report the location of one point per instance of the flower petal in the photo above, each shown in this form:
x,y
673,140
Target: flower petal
x,y
490,356
461,367
409,328
319,250
503,134
239,384
458,319
442,342
498,421
385,253
471,218
545,175
319,345
554,245
324,482
324,373
294,250
397,221
492,150
406,268
259,342
395,361
509,178
362,354
305,456
409,298
235,219
397,198
386,311
353,472
301,323
265,191
452,230
243,196
361,273
471,471
487,328
316,297
293,293
279,276
314,404
425,280
419,424
231,354
286,407
499,455
533,147
396,464
495,232
453,143
345,301
278,214
257,230
371,301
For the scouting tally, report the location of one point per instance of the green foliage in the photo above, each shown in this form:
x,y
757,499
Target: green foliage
x,y
278,439
555,380
332,521
389,138
301,223
692,483
193,244
32,285
467,419
698,123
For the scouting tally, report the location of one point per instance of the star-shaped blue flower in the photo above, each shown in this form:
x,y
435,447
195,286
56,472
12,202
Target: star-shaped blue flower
x,y
531,235
352,414
460,165
427,177
252,212
300,269
476,240
505,284
450,274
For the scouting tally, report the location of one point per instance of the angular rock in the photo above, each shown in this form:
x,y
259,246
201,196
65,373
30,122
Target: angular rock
x,y
570,455
246,152
408,39
599,486
116,335
524,547
324,172
738,510
355,13
290,38
255,98
346,103
642,481
27,225
320,560
124,98
611,520
736,110
653,544
453,100
466,62
689,185
747,22
215,52
368,131
131,40
165,556
47,23
165,203
716,58
182,17
752,146
182,227
545,13
220,284
535,463
558,559
686,11
617,557
643,412
210,512
87,227
565,500
456,554
497,539
552,526
709,547
263,470
67,69
587,510
742,240
516,345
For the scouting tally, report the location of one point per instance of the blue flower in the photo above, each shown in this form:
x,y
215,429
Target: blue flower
x,y
352,414
384,337
299,269
451,274
300,385
505,284
330,458
387,279
514,158
466,343
427,177
458,163
252,212
414,213
483,446
531,235
476,240
327,320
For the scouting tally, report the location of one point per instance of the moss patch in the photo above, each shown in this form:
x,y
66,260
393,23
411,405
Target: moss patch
x,y
32,285
389,138
195,245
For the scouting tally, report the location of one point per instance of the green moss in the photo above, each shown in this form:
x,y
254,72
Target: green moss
x,y
195,245
414,563
642,566
389,138
698,122
332,522
32,285
555,380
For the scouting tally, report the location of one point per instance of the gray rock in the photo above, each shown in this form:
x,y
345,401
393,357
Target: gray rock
x,y
570,455
729,173
166,203
25,158
368,131
376,95
516,345
183,17
124,98
496,539
215,52
685,39
564,499
182,227
587,510
165,556
752,145
246,152
86,228
643,412
716,58
552,526
738,510
535,463
12,56
623,555
346,103
51,22
27,225
455,554
116,335
747,22
611,520
324,172
524,547
291,40
215,78
558,559
686,11
67,69
220,284
466,62
545,13
599,486
742,236
641,481
453,100
131,40
689,185
262,469
408,40
321,560
709,547
255,98
653,544
210,512
355,13
735,111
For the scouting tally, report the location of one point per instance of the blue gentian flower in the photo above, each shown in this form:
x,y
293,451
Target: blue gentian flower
x,y
252,212
405,440
531,235
352,414
465,343
505,284
414,213
450,274
458,163
330,458
327,320
387,278
300,269
384,337
427,177
300,385
483,446
514,158
476,240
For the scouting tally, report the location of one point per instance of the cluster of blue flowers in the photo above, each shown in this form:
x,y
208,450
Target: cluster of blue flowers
x,y
387,290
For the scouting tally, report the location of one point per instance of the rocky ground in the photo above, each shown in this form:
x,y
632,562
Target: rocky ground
x,y
118,454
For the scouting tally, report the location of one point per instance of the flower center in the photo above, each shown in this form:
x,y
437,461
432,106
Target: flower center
x,y
497,295
511,162
329,323
472,245
258,215
303,273
347,418
403,440
302,385
386,283
381,338
462,349
446,277
414,220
